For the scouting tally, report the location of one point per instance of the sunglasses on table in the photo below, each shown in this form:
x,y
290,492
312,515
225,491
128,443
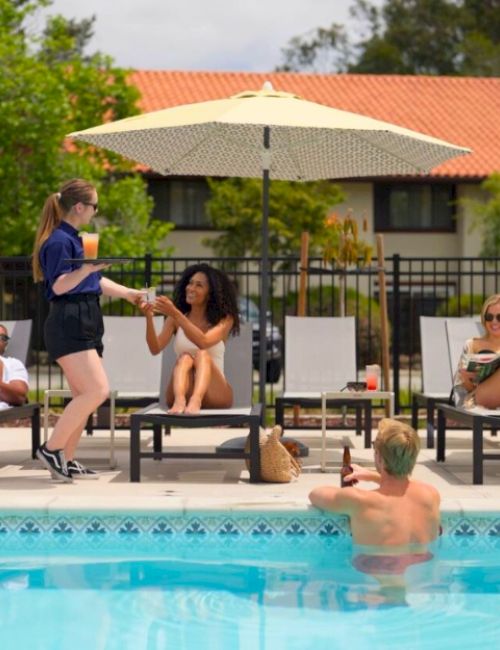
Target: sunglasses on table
x,y
491,317
4,338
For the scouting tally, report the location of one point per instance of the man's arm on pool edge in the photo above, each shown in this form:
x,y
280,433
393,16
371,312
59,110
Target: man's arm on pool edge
x,y
343,500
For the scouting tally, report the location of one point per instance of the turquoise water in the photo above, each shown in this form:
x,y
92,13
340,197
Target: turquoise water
x,y
236,591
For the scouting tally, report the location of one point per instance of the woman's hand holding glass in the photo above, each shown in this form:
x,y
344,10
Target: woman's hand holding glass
x,y
165,306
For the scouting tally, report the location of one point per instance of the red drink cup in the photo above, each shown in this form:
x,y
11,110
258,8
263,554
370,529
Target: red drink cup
x,y
372,377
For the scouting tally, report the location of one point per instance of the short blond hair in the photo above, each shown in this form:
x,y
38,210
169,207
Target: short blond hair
x,y
398,444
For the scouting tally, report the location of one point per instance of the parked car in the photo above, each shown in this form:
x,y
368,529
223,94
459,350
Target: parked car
x,y
249,312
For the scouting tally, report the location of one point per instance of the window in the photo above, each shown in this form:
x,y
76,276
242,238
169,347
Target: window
x,y
180,201
415,207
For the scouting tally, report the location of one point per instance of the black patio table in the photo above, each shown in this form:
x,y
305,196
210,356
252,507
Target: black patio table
x,y
474,421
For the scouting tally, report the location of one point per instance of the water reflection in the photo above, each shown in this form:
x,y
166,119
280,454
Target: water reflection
x,y
284,599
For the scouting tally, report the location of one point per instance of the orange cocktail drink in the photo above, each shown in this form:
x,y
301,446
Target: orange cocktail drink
x,y
90,242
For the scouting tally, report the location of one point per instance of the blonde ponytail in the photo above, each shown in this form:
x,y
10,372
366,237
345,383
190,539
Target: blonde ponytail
x,y
52,215
56,207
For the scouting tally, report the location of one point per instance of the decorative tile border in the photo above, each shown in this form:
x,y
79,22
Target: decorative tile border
x,y
29,530
44,531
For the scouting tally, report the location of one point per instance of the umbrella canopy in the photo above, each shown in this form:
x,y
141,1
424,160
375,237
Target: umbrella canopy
x,y
269,134
309,141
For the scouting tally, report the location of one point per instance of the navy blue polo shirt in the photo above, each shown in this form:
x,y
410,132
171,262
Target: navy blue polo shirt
x,y
64,243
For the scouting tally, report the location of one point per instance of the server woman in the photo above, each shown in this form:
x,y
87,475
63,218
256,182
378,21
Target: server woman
x,y
74,327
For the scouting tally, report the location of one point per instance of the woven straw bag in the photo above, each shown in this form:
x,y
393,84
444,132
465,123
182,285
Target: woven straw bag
x,y
277,465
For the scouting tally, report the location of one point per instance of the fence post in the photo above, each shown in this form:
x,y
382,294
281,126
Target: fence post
x,y
396,328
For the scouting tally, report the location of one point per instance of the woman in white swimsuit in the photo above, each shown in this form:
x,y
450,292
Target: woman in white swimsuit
x,y
200,317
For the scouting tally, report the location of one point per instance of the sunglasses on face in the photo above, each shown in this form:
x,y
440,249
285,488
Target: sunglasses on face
x,y
94,205
4,338
491,317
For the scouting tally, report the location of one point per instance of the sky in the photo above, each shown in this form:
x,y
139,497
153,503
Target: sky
x,y
231,35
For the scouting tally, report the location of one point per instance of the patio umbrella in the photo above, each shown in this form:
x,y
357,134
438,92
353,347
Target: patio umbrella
x,y
273,135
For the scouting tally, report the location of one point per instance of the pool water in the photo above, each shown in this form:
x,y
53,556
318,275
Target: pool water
x,y
243,591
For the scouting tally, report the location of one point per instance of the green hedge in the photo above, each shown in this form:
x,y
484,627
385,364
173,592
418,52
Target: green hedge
x,y
464,306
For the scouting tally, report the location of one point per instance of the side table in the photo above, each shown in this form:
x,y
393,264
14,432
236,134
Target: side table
x,y
366,395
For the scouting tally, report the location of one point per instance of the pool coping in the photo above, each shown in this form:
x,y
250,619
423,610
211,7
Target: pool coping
x,y
187,505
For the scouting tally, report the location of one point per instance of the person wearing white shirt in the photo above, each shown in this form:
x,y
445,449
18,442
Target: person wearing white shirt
x,y
13,376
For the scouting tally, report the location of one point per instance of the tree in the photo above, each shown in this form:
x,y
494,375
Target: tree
x,y
487,216
433,37
320,51
235,207
48,88
126,225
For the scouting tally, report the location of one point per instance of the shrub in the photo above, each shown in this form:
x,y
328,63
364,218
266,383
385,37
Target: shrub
x,y
466,305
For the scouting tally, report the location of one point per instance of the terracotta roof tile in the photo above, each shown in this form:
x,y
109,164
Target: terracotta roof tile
x,y
461,110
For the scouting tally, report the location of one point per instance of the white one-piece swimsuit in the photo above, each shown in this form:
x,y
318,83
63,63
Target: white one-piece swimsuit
x,y
182,345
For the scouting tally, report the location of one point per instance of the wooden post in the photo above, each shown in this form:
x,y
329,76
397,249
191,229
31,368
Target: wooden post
x,y
384,320
302,300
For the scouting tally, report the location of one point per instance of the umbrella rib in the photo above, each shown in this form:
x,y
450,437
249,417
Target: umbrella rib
x,y
214,128
187,153
387,151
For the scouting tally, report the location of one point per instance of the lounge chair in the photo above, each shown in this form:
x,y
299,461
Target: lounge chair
x,y
436,377
238,370
20,337
320,355
477,418
19,344
133,372
458,330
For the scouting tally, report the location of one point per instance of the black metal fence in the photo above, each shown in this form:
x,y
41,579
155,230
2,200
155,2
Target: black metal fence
x,y
415,286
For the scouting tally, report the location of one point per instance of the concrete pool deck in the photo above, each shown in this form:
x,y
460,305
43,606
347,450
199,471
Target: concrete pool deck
x,y
222,484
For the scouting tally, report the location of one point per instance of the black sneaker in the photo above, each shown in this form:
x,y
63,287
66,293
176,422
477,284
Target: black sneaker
x,y
77,470
55,462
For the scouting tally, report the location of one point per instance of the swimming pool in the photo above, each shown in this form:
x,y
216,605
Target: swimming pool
x,y
236,580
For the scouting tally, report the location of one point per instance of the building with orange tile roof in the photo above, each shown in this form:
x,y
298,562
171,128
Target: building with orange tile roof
x,y
461,110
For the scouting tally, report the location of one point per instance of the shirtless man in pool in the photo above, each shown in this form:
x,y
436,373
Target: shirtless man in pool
x,y
400,518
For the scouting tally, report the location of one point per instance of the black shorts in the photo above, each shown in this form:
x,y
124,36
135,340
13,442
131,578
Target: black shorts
x,y
74,324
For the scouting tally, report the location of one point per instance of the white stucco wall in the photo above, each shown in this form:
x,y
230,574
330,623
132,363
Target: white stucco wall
x,y
359,199
461,243
187,243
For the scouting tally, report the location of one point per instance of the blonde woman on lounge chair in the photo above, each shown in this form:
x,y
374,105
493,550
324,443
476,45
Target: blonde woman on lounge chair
x,y
467,391
201,316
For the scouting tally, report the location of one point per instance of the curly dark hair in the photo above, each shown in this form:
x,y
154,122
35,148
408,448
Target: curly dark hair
x,y
222,300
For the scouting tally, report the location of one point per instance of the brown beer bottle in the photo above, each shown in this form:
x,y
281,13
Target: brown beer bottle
x,y
346,468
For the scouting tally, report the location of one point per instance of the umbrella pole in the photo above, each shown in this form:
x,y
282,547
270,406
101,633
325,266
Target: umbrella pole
x,y
301,305
264,271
